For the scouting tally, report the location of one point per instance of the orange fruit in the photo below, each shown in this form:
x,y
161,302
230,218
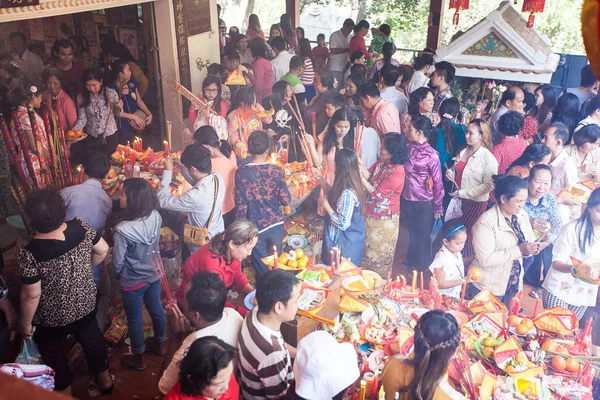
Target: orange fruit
x,y
475,274
528,323
71,134
292,264
513,320
562,350
572,365
522,329
521,358
299,253
489,352
549,345
559,363
78,133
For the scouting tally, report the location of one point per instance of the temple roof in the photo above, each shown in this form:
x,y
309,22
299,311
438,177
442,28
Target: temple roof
x,y
501,46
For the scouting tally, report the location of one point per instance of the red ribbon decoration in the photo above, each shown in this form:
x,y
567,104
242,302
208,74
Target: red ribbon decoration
x,y
532,7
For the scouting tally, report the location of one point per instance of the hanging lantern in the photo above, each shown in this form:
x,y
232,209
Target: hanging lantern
x,y
458,5
532,7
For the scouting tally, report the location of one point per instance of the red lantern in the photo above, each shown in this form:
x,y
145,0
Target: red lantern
x,y
532,7
458,5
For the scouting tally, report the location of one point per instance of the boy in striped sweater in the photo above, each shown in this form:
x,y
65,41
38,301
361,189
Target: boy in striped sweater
x,y
265,359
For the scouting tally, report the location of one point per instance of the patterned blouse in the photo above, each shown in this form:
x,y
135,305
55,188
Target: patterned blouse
x,y
97,118
64,269
388,182
341,218
546,209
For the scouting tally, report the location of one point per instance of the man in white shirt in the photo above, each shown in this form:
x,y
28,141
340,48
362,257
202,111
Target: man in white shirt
x,y
564,170
593,116
204,314
339,43
388,76
31,65
281,62
204,201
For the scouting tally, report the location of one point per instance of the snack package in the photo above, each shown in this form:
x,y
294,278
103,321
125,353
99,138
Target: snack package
x,y
556,320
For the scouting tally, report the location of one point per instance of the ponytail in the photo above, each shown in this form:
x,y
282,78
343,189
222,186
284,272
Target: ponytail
x,y
225,148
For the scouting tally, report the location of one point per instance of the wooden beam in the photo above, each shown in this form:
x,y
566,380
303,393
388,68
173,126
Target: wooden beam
x,y
292,8
434,29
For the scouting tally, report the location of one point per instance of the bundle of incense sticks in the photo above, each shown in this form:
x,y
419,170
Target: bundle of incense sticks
x,y
191,97
303,145
358,138
160,271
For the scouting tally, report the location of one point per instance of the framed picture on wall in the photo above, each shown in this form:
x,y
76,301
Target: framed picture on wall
x,y
129,38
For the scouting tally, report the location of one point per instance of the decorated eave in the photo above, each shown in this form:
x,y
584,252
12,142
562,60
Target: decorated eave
x,y
502,47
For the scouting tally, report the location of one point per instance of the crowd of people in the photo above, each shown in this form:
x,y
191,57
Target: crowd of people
x,y
487,189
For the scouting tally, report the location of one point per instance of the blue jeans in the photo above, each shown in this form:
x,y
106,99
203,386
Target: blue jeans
x,y
264,247
132,301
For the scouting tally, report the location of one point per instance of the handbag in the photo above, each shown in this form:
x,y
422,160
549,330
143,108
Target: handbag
x,y
133,126
196,235
454,210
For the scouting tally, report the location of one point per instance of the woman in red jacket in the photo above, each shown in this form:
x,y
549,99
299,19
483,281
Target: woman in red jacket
x,y
263,77
223,256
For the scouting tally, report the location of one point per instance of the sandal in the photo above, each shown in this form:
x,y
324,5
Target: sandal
x,y
108,390
128,360
154,346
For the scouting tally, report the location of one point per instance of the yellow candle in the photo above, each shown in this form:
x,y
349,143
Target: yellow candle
x,y
414,281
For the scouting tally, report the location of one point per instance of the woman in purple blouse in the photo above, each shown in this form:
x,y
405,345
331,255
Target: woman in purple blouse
x,y
423,192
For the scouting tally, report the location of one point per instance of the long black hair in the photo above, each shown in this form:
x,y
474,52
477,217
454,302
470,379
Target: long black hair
x,y
549,104
207,135
209,80
567,112
278,94
117,67
330,140
347,176
449,111
141,199
244,95
584,227
92,75
437,336
388,52
535,153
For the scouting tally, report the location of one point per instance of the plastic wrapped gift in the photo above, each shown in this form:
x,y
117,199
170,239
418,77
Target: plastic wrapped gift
x,y
556,320
588,271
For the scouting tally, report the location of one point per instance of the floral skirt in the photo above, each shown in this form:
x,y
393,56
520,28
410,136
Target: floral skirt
x,y
381,237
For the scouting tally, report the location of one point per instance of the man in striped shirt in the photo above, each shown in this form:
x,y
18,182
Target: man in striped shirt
x,y
265,359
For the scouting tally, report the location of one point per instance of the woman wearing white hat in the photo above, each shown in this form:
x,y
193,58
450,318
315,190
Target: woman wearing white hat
x,y
323,368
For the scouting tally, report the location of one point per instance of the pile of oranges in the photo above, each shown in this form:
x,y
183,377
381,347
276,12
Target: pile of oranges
x,y
521,327
74,134
560,363
295,259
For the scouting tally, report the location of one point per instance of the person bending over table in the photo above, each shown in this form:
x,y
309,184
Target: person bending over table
x,y
204,201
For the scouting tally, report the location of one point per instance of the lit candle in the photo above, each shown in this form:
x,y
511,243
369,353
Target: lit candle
x,y
132,157
414,281
537,305
167,148
275,256
421,284
80,170
297,189
332,260
123,157
273,158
